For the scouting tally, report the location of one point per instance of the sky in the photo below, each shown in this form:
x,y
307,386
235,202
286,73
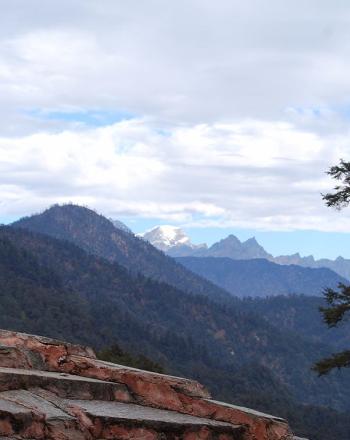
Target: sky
x,y
218,116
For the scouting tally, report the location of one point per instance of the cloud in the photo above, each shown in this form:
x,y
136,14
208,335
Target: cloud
x,y
251,174
198,112
185,62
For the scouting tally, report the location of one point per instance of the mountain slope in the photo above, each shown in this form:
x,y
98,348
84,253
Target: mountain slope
x,y
261,277
97,235
187,334
120,225
239,356
33,298
301,314
340,265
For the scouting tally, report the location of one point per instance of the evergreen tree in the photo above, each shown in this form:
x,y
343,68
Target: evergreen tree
x,y
338,300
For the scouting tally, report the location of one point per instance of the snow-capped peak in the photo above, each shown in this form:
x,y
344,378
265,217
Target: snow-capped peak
x,y
166,236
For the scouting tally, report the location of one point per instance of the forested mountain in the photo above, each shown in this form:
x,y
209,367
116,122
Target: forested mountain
x,y
239,355
300,314
97,235
260,277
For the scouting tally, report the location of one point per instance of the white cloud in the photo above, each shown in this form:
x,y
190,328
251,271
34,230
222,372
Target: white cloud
x,y
239,108
250,174
183,61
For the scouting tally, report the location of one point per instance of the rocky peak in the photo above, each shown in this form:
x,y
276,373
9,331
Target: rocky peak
x,y
55,390
167,237
233,248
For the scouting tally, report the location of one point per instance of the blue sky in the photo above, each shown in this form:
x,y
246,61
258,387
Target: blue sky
x,y
221,120
88,118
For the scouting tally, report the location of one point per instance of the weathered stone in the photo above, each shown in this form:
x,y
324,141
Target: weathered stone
x,y
61,391
51,351
14,357
152,386
29,415
106,417
63,384
170,393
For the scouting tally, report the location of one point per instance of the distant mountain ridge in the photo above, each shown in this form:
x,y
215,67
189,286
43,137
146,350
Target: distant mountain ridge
x,y
97,235
261,278
232,247
340,265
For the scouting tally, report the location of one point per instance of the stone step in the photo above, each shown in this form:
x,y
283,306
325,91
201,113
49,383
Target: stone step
x,y
176,394
145,384
63,384
114,420
78,387
60,356
25,414
72,372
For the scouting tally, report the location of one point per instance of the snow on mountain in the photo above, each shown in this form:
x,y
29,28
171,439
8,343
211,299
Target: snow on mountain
x,y
167,237
175,242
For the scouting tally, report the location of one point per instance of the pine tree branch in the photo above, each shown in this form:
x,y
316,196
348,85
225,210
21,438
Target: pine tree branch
x,y
338,360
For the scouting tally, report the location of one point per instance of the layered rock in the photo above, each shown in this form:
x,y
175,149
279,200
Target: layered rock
x,y
55,390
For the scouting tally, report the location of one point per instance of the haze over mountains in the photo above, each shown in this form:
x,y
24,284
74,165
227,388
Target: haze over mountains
x,y
232,247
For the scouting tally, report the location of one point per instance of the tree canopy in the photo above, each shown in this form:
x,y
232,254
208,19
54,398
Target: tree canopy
x,y
338,300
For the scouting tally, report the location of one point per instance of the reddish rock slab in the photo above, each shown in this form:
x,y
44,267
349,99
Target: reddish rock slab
x,y
58,356
63,385
51,351
172,393
145,384
14,357
26,415
110,420
72,372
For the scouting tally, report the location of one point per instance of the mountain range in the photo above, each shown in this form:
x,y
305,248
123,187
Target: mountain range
x,y
97,235
232,247
259,277
214,277
70,273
